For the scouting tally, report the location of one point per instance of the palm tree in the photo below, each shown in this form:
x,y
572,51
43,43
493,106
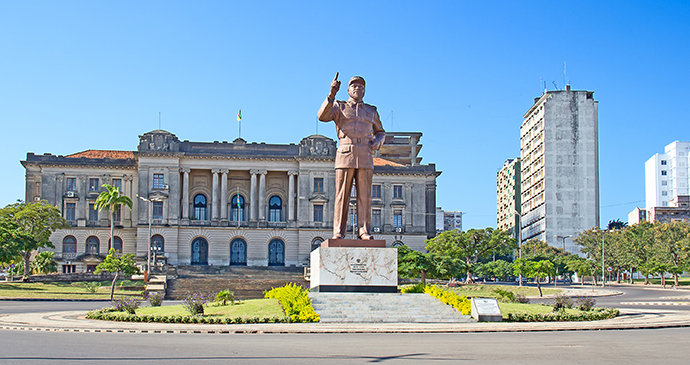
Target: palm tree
x,y
112,200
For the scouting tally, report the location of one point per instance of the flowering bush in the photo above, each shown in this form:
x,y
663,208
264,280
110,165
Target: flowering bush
x,y
519,298
561,302
194,303
462,304
295,302
594,315
155,299
125,304
417,288
585,303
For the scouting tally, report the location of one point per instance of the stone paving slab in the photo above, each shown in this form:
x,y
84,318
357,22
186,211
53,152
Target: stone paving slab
x,y
73,321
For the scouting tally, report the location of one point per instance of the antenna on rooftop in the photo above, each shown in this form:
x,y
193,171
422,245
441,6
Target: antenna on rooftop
x,y
565,75
159,120
554,85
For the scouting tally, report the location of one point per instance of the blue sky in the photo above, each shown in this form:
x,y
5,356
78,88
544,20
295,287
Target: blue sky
x,y
77,75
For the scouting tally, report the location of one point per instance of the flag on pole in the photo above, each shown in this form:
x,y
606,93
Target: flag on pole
x,y
239,115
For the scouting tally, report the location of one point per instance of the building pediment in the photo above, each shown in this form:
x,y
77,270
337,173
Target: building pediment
x,y
318,198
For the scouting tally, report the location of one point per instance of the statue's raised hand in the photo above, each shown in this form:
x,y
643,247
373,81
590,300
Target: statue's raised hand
x,y
335,86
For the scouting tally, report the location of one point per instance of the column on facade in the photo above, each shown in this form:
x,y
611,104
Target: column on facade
x,y
214,194
387,213
408,205
127,188
224,194
185,192
59,191
262,195
253,198
291,195
81,204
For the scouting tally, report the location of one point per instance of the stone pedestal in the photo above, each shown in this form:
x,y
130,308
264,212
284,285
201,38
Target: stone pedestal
x,y
354,269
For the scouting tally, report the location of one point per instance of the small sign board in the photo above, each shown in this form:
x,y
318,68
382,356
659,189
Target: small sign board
x,y
486,310
609,269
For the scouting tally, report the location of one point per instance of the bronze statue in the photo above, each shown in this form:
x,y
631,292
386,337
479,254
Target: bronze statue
x,y
361,134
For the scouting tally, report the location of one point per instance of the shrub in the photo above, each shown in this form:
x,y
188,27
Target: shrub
x,y
155,299
461,304
295,302
225,296
91,287
585,303
504,295
594,315
561,302
125,304
417,288
194,303
519,298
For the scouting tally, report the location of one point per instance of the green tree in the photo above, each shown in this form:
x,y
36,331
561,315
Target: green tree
x,y
672,249
413,263
44,263
112,200
499,269
638,249
114,264
536,269
27,227
471,246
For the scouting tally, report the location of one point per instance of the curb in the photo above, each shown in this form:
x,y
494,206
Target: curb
x,y
53,300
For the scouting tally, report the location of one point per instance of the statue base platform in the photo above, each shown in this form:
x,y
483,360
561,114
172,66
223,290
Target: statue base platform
x,y
354,269
344,242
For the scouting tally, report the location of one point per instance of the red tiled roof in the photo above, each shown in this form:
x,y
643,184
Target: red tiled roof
x,y
382,162
103,154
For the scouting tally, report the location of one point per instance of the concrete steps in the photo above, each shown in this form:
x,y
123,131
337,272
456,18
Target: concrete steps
x,y
245,282
383,308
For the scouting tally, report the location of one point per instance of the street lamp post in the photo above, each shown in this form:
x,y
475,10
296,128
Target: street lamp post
x,y
519,238
555,280
148,257
603,267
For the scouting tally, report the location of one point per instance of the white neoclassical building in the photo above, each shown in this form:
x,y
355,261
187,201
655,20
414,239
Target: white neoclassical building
x,y
220,203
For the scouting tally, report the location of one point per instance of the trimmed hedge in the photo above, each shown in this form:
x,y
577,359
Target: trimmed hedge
x,y
594,315
462,304
295,302
108,314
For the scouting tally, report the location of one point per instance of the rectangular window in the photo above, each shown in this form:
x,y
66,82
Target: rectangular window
x,y
353,192
318,185
158,181
37,191
69,211
664,193
71,184
663,172
397,192
117,183
93,184
397,218
318,213
664,183
352,220
663,162
376,191
157,210
93,212
69,269
376,218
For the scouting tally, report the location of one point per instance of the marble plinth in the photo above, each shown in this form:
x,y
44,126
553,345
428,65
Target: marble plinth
x,y
354,269
344,242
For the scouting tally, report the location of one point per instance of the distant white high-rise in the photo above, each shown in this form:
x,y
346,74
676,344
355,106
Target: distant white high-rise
x,y
560,167
666,176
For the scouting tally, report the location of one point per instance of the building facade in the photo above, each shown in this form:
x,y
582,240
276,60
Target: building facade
x,y
560,166
220,203
666,176
447,220
508,205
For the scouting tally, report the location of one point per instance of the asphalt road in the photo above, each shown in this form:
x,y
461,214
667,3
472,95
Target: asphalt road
x,y
668,346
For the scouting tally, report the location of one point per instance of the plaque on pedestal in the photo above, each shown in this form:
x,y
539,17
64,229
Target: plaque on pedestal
x,y
354,269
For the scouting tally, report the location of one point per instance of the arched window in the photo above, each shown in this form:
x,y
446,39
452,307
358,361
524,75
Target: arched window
x,y
275,209
397,244
200,207
158,243
316,243
69,244
237,208
117,245
199,252
238,252
93,245
276,253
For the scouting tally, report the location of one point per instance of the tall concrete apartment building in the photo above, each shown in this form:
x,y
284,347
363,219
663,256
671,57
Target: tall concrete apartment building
x,y
666,176
559,152
508,196
447,220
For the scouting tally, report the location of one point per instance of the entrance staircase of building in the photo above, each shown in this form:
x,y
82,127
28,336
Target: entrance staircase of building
x,y
245,282
383,308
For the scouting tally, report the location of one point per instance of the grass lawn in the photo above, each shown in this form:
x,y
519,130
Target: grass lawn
x,y
262,308
528,308
57,291
486,291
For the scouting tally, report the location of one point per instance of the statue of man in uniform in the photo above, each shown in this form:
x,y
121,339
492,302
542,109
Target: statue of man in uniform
x,y
361,134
